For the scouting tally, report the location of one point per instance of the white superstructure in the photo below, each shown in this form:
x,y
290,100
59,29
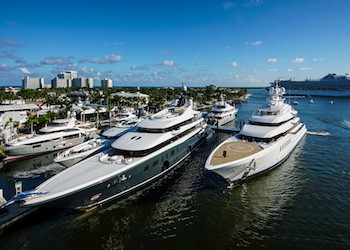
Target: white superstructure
x,y
270,136
221,113
75,154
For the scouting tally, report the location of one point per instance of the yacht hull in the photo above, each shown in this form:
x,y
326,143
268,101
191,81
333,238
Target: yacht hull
x,y
262,161
133,178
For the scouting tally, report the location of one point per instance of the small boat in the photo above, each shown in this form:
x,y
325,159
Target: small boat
x,y
270,136
312,101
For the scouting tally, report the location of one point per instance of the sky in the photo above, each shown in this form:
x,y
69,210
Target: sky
x,y
234,43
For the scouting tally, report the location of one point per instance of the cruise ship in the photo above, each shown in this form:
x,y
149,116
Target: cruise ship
x,y
161,142
264,142
60,134
329,85
221,113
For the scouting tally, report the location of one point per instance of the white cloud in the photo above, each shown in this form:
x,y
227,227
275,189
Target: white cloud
x,y
298,60
305,68
24,70
233,64
169,63
272,60
272,70
255,43
103,60
229,5
4,67
318,59
289,70
52,60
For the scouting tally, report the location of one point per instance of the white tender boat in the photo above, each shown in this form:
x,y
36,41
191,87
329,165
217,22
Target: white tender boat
x,y
60,134
269,137
221,113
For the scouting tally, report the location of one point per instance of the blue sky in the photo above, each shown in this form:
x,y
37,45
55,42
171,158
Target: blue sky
x,y
243,43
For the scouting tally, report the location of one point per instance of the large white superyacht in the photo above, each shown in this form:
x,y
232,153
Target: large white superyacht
x,y
265,141
60,134
221,113
161,142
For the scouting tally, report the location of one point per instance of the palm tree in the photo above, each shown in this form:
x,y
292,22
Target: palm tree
x,y
31,121
97,111
11,123
83,112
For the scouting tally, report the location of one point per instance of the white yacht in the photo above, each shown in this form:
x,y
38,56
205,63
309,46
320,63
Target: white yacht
x,y
60,134
124,115
161,142
221,113
75,154
270,136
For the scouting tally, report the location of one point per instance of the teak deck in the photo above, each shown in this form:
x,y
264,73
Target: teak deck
x,y
234,151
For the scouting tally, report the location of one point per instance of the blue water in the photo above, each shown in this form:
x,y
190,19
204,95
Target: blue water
x,y
302,204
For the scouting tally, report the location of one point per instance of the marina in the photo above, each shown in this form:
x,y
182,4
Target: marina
x,y
279,209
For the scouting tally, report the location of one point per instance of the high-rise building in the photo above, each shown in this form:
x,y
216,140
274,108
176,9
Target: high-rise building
x,y
64,79
106,83
83,82
68,75
32,82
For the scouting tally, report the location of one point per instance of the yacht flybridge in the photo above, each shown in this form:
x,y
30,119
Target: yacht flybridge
x,y
160,142
269,137
60,134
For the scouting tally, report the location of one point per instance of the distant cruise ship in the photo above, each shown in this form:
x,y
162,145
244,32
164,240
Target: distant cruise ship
x,y
330,85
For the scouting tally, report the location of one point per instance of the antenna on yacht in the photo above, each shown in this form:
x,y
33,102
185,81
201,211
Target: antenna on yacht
x,y
182,100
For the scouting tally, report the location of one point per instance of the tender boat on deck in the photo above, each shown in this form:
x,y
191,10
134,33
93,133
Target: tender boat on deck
x,y
270,136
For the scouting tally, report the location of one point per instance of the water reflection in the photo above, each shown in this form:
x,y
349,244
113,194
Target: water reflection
x,y
31,171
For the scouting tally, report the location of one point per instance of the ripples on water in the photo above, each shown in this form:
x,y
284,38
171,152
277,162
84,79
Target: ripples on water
x,y
302,204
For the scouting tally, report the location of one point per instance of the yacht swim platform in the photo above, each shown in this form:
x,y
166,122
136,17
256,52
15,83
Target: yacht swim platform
x,y
232,151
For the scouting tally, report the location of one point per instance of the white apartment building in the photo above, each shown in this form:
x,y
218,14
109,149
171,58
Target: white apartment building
x,y
32,82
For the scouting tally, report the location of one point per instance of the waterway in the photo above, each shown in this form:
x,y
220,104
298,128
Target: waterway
x,y
302,204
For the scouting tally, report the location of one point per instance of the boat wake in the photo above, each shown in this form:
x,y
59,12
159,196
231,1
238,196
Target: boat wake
x,y
346,123
320,133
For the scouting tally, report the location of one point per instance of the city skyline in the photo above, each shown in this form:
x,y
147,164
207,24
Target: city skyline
x,y
246,43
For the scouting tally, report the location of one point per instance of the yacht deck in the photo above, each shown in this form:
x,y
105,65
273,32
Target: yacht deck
x,y
234,151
